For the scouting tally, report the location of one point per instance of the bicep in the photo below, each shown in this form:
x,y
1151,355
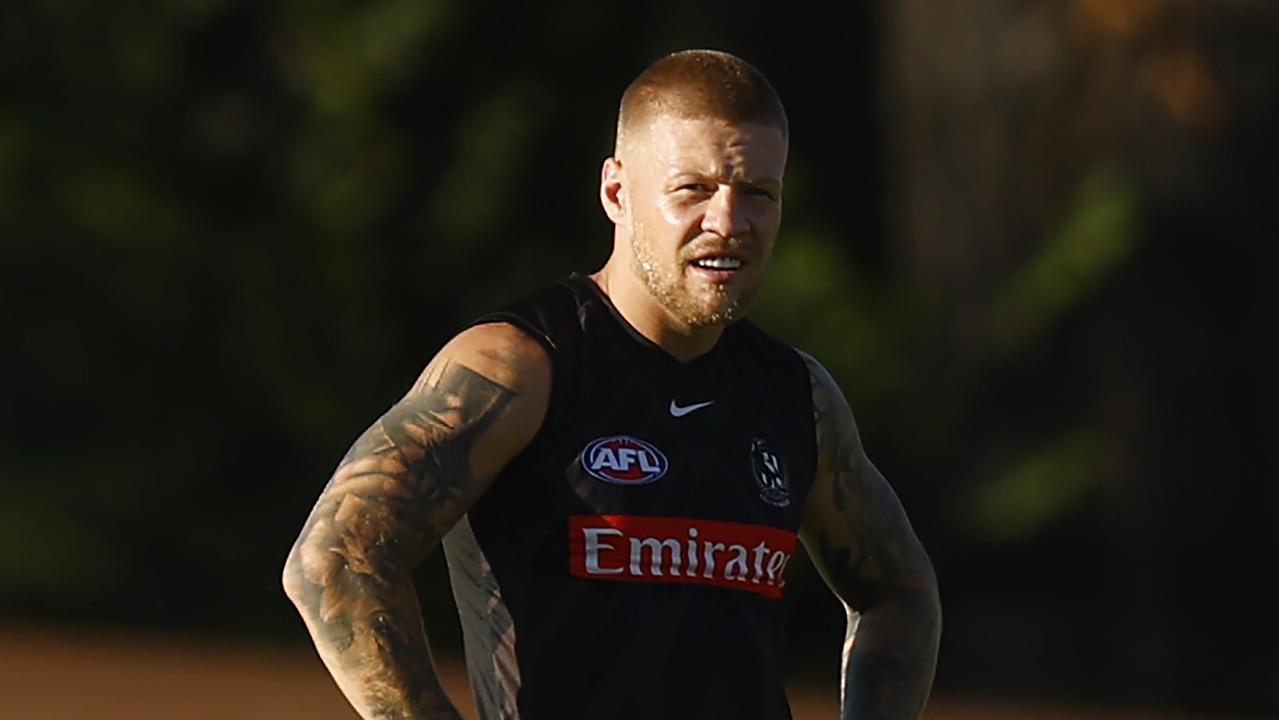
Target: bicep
x,y
854,526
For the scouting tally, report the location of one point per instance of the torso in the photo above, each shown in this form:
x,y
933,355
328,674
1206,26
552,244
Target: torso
x,y
630,562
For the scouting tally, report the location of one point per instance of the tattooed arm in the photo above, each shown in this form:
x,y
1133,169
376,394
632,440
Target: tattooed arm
x,y
860,540
399,489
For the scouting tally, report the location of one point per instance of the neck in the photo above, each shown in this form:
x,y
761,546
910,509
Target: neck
x,y
644,313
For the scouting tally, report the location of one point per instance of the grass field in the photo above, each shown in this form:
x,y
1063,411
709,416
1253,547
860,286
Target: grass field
x,y
59,675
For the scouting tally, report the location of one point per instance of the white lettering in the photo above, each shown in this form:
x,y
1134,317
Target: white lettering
x,y
655,547
604,458
679,551
760,551
691,570
780,560
648,463
740,560
775,564
593,547
709,556
626,456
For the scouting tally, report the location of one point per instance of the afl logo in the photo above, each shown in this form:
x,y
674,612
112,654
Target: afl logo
x,y
623,460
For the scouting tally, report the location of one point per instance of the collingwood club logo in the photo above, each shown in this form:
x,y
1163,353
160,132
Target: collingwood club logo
x,y
770,474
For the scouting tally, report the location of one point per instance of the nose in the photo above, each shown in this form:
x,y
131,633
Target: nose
x,y
726,213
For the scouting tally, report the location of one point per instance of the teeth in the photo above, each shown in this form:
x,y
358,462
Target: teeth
x,y
719,263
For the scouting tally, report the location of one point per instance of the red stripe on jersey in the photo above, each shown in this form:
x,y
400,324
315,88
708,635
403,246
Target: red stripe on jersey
x,y
638,548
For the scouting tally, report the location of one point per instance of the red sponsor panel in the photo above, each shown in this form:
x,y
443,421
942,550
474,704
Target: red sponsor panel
x,y
638,548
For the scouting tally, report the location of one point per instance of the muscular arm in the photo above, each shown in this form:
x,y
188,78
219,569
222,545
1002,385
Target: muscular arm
x,y
399,489
860,540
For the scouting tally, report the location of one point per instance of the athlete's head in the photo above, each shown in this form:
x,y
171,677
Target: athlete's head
x,y
695,183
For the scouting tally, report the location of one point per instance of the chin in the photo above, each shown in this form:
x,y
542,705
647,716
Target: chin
x,y
714,320
718,313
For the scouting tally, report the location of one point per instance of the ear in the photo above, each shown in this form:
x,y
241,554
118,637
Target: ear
x,y
611,195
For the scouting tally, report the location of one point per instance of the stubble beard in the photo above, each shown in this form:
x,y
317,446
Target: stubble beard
x,y
667,283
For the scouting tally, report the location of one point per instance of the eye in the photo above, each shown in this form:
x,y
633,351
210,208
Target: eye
x,y
760,192
697,188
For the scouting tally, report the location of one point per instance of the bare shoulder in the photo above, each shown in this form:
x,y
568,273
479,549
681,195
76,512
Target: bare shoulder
x,y
840,455
815,369
494,375
831,413
427,459
501,353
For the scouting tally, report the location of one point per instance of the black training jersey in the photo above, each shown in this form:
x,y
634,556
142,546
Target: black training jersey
x,y
630,562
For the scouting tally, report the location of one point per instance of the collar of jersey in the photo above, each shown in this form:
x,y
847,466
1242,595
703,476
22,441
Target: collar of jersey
x,y
593,290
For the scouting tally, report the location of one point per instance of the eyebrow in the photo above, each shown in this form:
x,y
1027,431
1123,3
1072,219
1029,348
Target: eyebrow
x,y
755,182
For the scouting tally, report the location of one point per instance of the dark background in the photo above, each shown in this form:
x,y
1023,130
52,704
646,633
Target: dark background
x,y
1027,238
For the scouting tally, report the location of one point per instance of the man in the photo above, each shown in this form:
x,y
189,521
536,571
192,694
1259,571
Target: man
x,y
622,467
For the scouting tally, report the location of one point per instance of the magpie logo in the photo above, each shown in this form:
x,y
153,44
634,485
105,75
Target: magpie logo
x,y
770,474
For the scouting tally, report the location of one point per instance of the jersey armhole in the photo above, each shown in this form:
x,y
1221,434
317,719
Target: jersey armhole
x,y
810,413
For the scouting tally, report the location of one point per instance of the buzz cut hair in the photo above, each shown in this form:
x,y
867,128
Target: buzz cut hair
x,y
700,83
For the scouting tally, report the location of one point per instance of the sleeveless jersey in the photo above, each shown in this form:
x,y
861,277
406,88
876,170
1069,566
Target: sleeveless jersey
x,y
630,562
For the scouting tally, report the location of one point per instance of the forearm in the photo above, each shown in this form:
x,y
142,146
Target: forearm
x,y
889,661
349,575
368,631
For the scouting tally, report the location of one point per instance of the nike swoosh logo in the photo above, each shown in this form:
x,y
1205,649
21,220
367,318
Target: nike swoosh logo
x,y
678,411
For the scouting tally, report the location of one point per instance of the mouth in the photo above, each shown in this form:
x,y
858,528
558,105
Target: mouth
x,y
718,267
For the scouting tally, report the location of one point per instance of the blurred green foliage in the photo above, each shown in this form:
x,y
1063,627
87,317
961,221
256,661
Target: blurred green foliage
x,y
232,233
1091,242
1043,486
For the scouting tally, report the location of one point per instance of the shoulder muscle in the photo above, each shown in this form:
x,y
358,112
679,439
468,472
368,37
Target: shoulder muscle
x,y
492,374
419,467
854,526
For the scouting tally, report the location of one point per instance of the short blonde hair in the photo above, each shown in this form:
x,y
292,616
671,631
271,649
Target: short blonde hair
x,y
701,83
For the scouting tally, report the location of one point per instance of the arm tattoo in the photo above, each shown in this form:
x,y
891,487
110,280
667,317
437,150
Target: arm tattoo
x,y
859,566
879,569
395,494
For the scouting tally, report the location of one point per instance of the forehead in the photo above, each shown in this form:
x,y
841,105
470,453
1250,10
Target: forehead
x,y
672,144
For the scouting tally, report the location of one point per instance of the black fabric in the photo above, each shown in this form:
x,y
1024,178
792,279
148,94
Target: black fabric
x,y
545,644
